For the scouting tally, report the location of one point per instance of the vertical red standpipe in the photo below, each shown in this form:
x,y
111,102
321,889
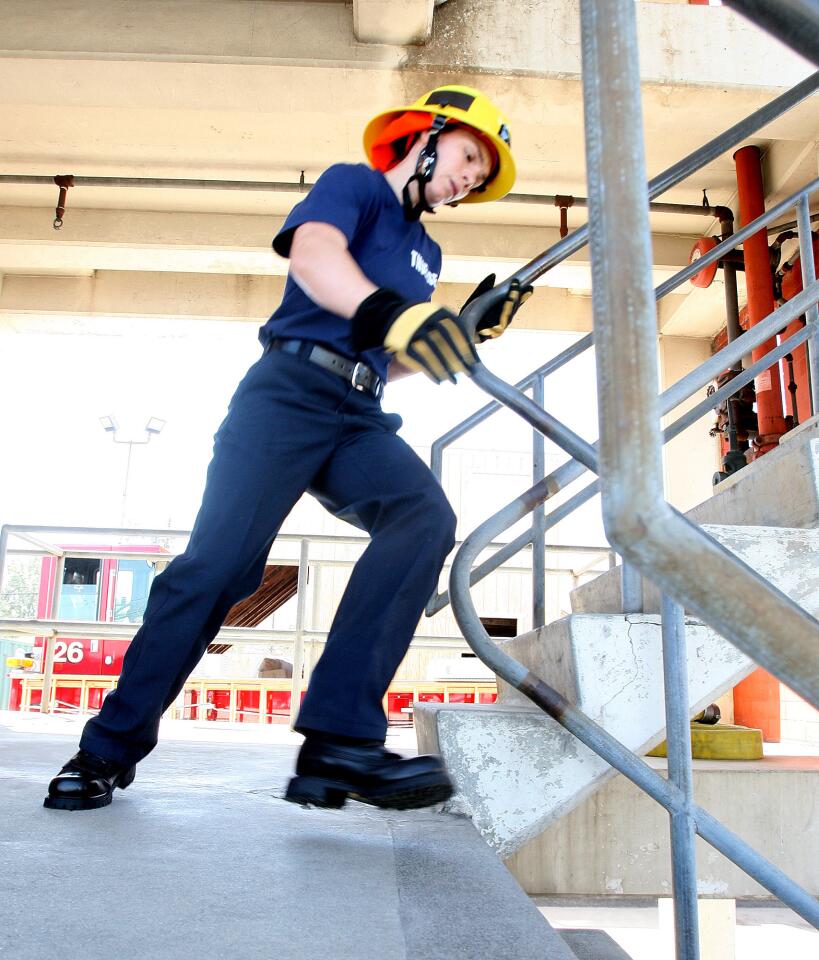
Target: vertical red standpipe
x,y
759,284
757,704
756,699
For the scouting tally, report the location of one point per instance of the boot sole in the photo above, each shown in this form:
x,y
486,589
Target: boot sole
x,y
90,803
332,794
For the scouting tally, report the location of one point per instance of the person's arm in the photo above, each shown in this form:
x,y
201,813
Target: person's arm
x,y
323,267
423,337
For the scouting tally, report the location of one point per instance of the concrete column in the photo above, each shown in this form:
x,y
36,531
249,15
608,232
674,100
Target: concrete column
x,y
717,922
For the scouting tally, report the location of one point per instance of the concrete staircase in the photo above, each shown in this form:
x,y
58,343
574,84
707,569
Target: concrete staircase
x,y
517,770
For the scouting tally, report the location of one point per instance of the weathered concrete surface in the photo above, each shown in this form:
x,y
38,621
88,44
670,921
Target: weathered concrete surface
x,y
200,857
788,557
611,666
385,21
780,489
516,769
617,842
530,36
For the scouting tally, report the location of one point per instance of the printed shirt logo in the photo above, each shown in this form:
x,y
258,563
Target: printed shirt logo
x,y
422,267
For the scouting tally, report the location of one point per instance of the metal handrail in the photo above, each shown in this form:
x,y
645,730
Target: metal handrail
x,y
673,396
578,239
658,185
639,522
580,346
540,492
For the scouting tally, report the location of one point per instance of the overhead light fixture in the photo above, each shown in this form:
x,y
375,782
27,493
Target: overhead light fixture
x,y
155,425
109,424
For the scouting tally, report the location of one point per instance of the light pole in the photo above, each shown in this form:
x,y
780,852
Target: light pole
x,y
152,427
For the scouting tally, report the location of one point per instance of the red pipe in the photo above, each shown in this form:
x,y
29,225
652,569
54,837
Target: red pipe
x,y
759,283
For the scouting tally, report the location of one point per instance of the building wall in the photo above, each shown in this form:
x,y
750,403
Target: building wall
x,y
689,460
799,720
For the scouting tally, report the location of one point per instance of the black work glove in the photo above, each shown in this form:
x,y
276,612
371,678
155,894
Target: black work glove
x,y
499,314
422,336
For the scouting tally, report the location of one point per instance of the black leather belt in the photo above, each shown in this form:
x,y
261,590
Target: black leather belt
x,y
358,374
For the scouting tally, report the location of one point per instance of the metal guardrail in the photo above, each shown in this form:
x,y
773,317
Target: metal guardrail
x,y
804,303
641,525
480,691
532,412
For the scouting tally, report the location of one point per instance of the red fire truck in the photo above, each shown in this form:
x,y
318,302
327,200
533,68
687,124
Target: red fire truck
x,y
106,590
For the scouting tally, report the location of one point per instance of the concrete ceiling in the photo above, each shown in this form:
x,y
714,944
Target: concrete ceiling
x,y
268,91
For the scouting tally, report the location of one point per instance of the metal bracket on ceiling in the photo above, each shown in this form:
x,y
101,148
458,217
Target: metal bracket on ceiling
x,y
63,181
564,202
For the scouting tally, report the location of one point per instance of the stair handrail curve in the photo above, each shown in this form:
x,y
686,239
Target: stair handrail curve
x,y
638,520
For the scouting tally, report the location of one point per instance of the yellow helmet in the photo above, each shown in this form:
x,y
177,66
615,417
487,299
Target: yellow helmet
x,y
467,107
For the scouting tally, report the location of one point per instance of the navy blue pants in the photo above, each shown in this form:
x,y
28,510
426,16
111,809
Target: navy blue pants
x,y
291,426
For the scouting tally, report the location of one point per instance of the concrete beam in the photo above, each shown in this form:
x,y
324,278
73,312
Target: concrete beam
x,y
130,118
699,314
51,303
184,242
787,165
537,36
392,21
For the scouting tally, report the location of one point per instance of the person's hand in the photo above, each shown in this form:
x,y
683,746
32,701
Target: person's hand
x,y
421,336
499,314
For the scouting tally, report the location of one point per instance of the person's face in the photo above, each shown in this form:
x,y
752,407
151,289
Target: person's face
x,y
464,162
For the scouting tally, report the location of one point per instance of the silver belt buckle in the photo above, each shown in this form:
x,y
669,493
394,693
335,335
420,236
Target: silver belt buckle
x,y
359,370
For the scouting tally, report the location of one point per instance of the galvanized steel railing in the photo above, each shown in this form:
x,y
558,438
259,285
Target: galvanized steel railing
x,y
641,525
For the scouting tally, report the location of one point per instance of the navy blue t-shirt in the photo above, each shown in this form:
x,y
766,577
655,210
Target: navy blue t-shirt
x,y
390,250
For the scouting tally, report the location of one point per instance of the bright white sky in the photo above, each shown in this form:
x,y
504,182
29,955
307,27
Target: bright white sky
x,y
61,468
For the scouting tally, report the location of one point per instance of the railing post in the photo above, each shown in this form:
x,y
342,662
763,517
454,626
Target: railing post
x,y
812,314
50,640
631,589
298,640
538,519
4,541
623,298
678,740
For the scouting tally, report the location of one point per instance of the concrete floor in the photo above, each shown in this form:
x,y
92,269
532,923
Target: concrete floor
x,y
764,929
200,858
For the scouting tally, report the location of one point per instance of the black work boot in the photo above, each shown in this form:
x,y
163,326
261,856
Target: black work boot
x,y
87,782
328,772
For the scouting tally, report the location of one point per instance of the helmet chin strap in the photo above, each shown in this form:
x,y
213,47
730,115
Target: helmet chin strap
x,y
424,169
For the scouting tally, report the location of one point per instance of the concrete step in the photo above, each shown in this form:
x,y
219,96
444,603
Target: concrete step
x,y
788,557
517,770
780,489
201,857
